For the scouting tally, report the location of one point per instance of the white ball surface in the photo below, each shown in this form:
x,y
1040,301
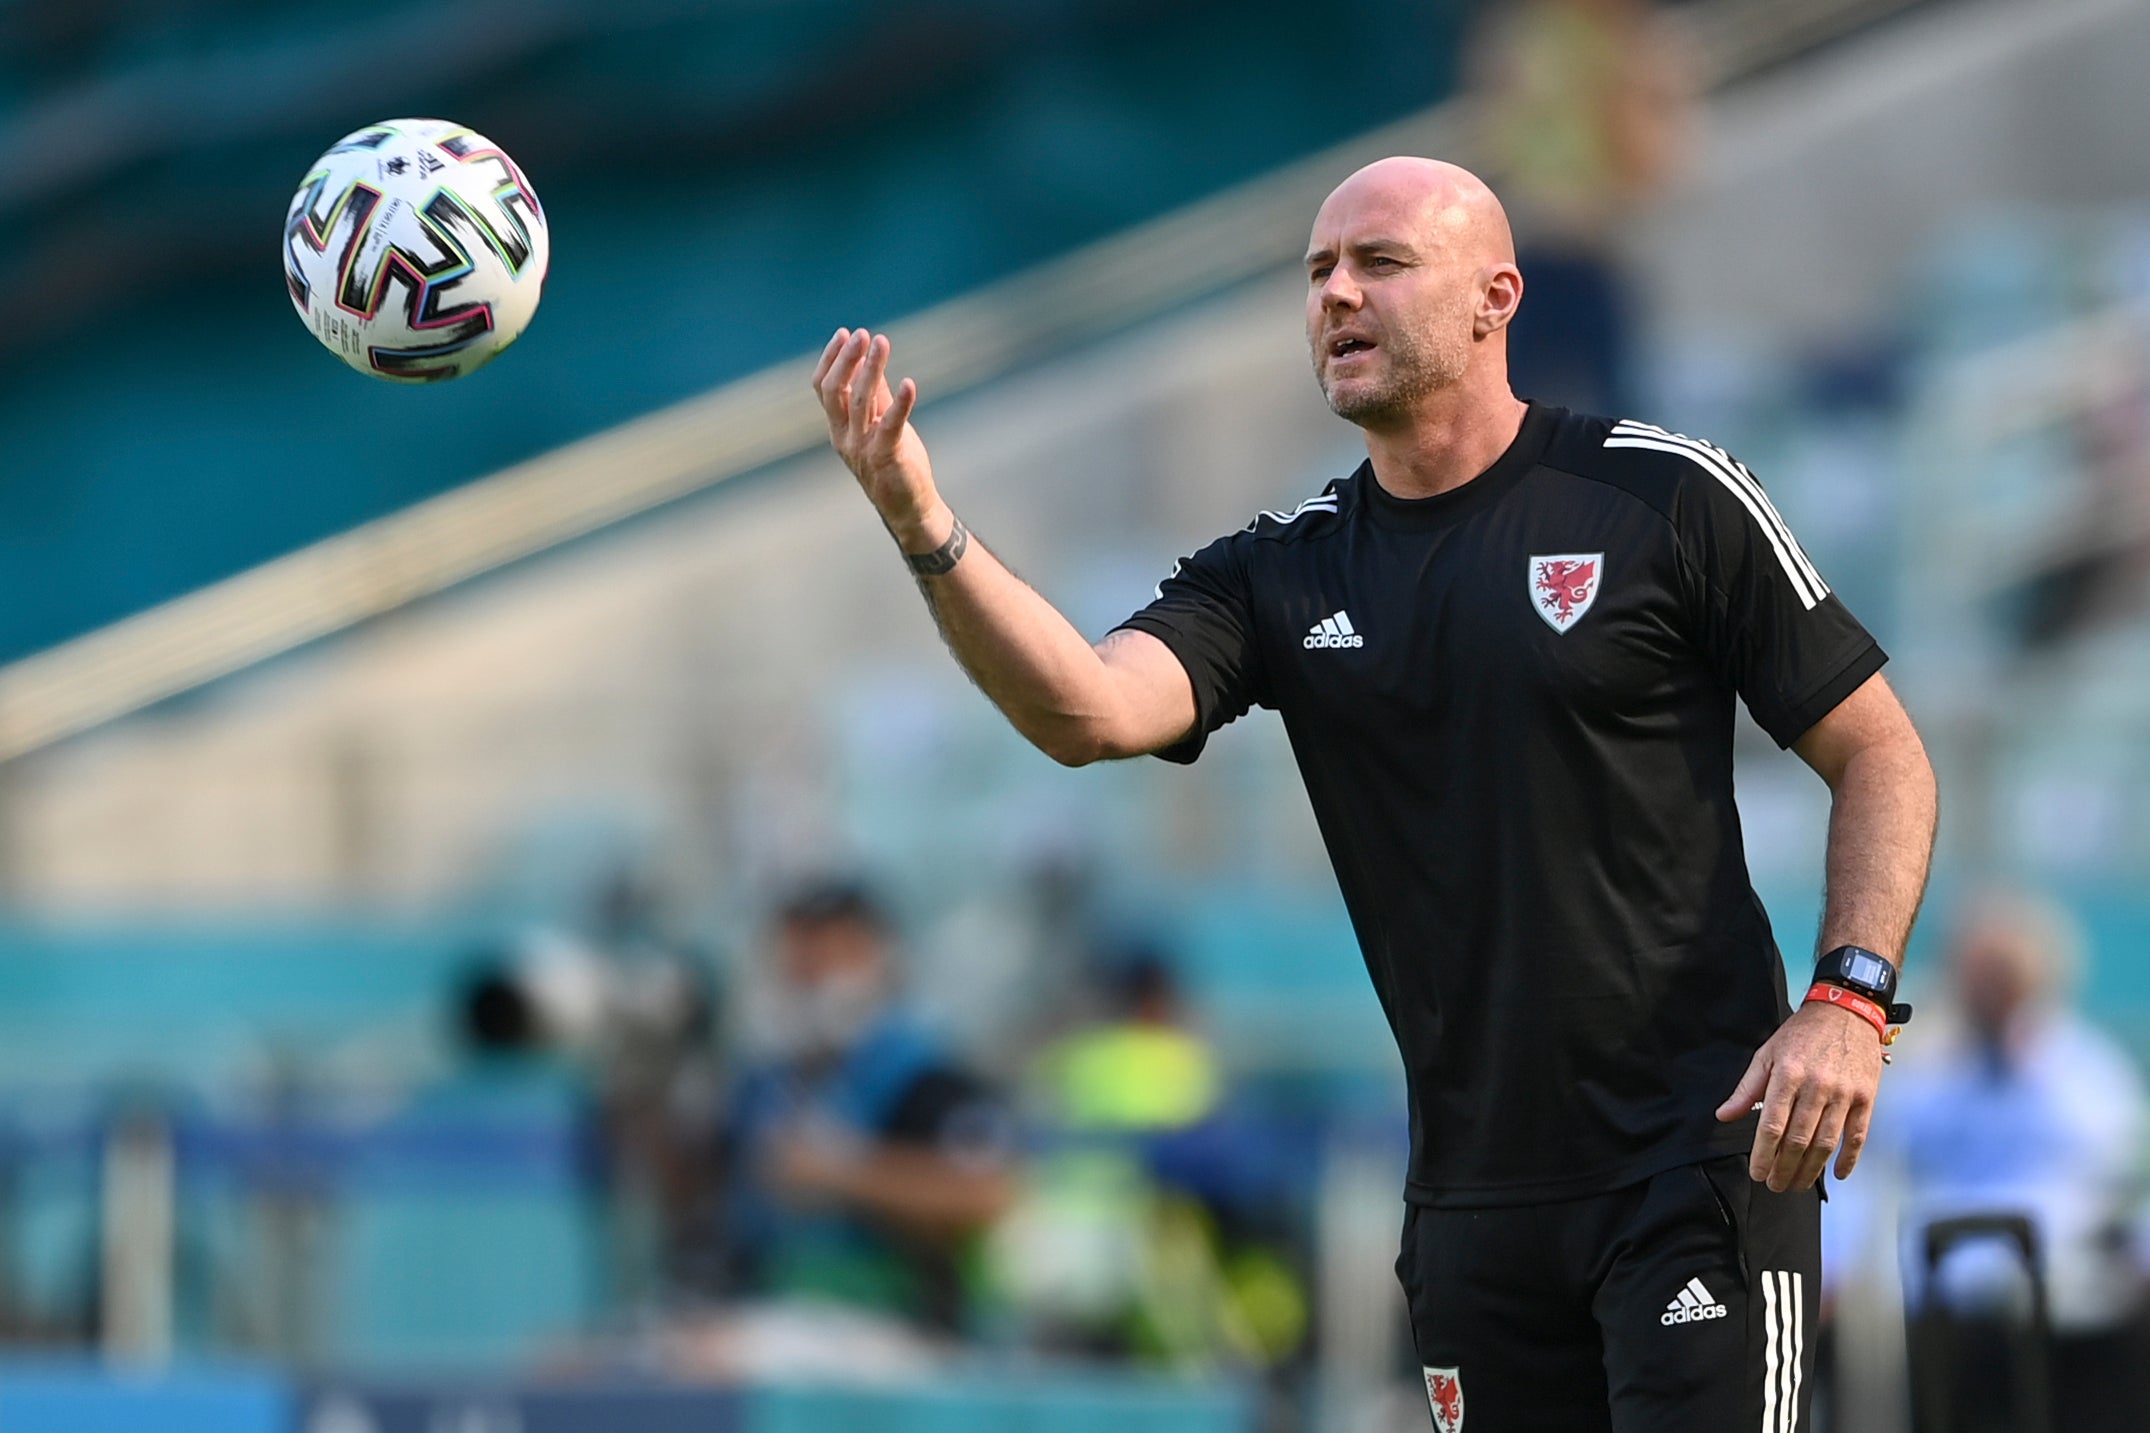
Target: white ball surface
x,y
415,250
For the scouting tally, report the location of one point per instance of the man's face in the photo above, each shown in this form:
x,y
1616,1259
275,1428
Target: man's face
x,y
1995,976
813,952
1390,303
834,977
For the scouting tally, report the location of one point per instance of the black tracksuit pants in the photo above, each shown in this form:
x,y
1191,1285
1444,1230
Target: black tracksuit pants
x,y
1686,1303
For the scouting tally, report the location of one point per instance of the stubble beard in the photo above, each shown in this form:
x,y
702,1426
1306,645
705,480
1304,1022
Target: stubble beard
x,y
1415,363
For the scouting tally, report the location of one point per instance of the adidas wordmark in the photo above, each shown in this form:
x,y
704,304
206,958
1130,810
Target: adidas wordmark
x,y
1693,1305
1333,632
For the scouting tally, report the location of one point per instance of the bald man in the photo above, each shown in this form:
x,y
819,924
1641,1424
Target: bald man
x,y
1506,650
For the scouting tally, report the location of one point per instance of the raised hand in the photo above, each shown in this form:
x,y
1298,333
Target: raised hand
x,y
870,428
1075,702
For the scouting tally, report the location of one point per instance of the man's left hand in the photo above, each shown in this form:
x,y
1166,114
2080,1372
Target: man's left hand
x,y
1816,1079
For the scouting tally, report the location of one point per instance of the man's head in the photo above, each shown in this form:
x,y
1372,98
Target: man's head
x,y
2012,953
834,967
1411,282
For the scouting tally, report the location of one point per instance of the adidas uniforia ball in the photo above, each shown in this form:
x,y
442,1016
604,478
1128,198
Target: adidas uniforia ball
x,y
415,250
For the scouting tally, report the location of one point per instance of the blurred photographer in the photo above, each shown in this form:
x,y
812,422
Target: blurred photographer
x,y
632,1018
859,1157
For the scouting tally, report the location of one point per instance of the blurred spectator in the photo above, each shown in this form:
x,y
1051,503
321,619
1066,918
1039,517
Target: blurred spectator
x,y
1141,1068
860,1158
1147,1231
2028,1110
1584,106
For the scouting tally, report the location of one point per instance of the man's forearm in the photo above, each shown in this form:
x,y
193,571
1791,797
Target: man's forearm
x,y
925,1194
1029,660
1075,702
1881,833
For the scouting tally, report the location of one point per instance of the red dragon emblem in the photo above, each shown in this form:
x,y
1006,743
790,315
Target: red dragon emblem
x,y
1563,586
1444,1390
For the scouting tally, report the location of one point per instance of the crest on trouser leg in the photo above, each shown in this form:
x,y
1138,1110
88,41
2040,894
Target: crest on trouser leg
x,y
1444,1390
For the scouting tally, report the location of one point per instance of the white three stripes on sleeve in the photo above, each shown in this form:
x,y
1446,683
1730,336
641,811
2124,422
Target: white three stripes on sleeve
x,y
1320,502
1743,485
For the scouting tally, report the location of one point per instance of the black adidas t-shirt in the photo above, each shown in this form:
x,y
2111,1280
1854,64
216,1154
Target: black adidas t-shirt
x,y
1512,704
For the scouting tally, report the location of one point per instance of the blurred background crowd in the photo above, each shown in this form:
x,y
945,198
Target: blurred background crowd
x,y
500,889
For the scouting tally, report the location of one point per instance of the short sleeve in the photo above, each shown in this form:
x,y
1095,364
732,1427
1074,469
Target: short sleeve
x,y
1204,614
1767,621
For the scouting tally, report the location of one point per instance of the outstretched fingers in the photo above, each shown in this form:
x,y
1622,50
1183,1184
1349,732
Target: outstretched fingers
x,y
890,427
869,387
828,356
833,378
868,425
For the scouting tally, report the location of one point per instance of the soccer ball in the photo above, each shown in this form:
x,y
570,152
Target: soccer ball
x,y
415,250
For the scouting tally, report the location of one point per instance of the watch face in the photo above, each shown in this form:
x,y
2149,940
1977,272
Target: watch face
x,y
1863,967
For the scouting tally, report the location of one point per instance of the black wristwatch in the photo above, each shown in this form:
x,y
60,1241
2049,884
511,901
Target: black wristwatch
x,y
1862,972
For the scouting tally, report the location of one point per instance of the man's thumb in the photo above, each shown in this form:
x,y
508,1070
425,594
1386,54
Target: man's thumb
x,y
1752,1086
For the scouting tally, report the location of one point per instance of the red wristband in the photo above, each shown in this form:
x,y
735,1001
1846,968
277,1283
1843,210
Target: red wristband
x,y
1857,1004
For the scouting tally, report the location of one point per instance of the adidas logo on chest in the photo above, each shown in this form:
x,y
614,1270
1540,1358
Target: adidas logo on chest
x,y
1335,631
1692,1306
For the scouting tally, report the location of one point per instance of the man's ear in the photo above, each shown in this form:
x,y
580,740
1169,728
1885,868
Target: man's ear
x,y
1500,294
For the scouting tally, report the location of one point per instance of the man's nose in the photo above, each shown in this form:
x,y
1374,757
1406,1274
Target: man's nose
x,y
1340,291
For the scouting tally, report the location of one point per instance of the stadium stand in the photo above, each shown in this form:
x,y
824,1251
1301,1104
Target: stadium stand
x,y
640,660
